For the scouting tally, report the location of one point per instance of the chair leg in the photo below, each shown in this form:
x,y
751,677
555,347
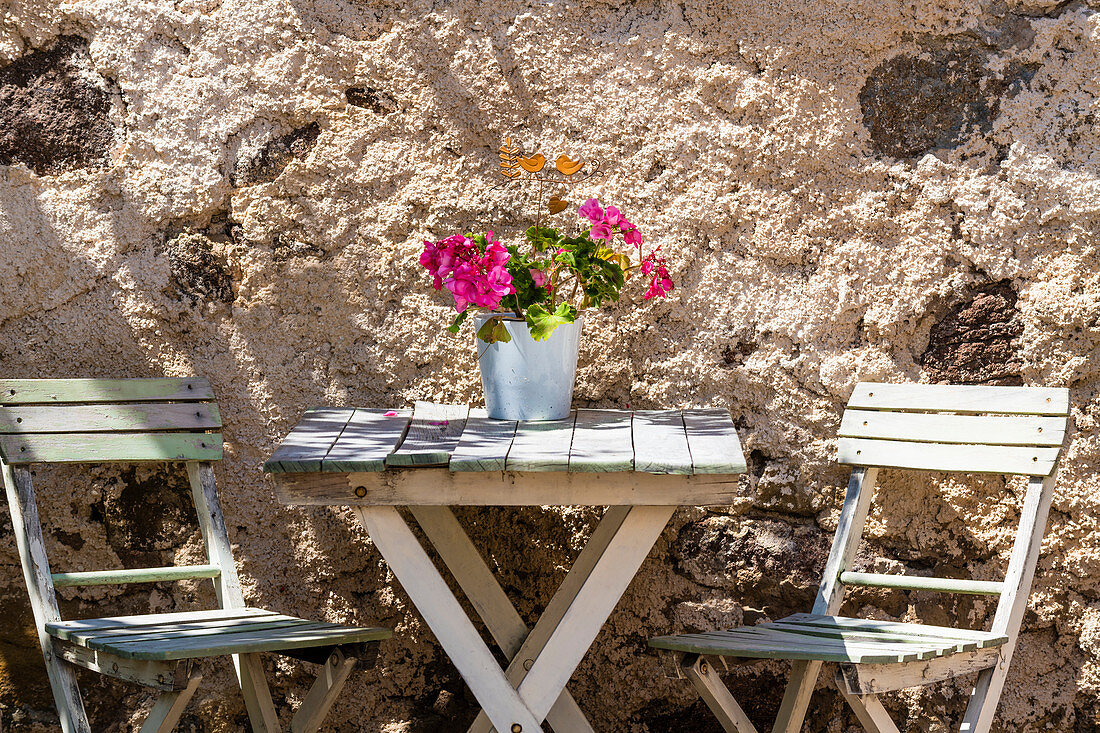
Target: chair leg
x,y
796,700
716,695
66,693
983,700
257,696
169,706
868,708
323,693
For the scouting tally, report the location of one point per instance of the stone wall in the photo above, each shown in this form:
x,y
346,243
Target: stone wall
x,y
874,189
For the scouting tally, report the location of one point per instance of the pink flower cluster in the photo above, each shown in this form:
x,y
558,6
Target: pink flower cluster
x,y
472,277
660,284
606,221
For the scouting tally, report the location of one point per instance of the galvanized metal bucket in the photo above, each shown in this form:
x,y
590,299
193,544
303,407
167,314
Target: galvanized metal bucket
x,y
526,379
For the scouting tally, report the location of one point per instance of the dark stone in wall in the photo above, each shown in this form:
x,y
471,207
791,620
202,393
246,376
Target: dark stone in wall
x,y
284,248
774,564
266,165
372,99
197,272
24,681
53,116
914,103
977,342
152,513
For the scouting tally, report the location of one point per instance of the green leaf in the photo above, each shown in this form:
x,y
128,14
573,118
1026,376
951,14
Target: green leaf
x,y
542,322
459,320
494,330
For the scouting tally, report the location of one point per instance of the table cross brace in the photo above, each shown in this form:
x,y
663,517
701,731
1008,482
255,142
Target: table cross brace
x,y
533,687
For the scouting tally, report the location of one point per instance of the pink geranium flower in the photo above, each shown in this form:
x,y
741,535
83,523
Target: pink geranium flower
x,y
591,210
633,236
602,230
615,218
660,284
542,280
472,277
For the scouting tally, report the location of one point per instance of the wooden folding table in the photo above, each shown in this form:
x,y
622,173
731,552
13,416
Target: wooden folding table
x,y
641,465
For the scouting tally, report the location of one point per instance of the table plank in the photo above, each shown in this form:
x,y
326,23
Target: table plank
x,y
542,445
432,435
713,442
309,442
368,438
442,487
602,442
660,442
484,443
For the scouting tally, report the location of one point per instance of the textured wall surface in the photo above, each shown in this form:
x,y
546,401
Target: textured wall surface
x,y
883,189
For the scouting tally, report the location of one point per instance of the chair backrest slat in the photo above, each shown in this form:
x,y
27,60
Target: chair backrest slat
x,y
108,447
1023,460
944,428
58,391
1005,430
960,398
104,420
109,418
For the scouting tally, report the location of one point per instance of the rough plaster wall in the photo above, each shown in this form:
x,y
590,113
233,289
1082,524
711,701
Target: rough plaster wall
x,y
873,189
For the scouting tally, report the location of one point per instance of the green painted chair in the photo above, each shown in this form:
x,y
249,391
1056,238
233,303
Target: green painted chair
x,y
1000,430
153,420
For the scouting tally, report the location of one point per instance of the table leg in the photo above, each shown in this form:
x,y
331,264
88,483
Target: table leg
x,y
493,606
426,588
650,522
600,592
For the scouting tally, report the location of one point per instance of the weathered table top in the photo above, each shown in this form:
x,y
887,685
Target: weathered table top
x,y
341,455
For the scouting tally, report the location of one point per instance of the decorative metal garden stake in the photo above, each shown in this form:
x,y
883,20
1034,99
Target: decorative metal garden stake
x,y
516,167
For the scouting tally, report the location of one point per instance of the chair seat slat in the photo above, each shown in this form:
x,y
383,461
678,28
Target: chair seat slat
x,y
110,447
206,633
1021,460
151,631
869,637
168,637
874,625
266,640
57,391
833,639
961,398
64,629
734,644
942,428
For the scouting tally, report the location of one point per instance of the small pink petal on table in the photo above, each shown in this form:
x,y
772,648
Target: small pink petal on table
x,y
391,413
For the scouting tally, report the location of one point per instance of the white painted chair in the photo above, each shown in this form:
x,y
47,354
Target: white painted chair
x,y
153,420
1001,430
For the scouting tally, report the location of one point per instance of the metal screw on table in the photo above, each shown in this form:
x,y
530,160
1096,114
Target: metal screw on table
x,y
517,728
702,667
360,491
528,663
